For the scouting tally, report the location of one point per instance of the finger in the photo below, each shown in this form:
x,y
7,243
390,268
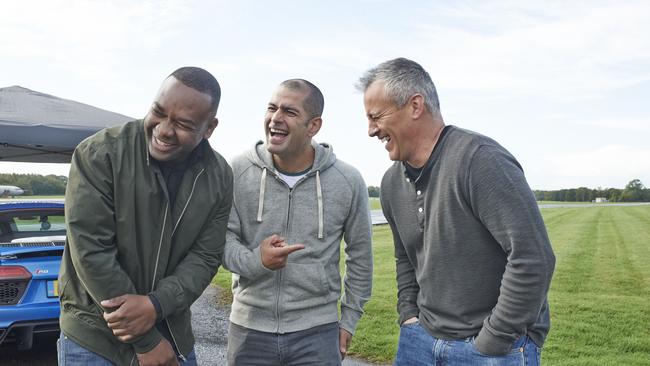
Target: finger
x,y
344,342
115,325
288,249
125,338
343,345
275,238
279,244
113,317
114,302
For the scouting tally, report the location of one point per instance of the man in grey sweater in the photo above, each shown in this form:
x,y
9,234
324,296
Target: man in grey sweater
x,y
474,262
293,203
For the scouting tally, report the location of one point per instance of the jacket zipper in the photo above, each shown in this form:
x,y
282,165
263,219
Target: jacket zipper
x,y
153,283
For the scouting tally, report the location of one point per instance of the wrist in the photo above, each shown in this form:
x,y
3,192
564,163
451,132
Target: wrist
x,y
156,306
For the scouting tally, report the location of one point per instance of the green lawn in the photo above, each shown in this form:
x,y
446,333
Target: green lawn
x,y
375,204
600,295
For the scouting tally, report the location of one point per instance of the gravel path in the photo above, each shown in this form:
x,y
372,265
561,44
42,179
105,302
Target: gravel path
x,y
210,324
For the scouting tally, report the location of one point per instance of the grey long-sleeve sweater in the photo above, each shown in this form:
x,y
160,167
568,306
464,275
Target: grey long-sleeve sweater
x,y
473,255
328,204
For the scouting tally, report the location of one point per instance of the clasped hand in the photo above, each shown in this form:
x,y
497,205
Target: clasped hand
x,y
133,316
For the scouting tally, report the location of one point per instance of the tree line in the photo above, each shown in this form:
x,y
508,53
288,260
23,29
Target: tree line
x,y
36,184
634,191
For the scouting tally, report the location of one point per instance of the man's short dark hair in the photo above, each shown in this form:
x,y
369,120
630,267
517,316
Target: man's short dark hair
x,y
314,102
202,81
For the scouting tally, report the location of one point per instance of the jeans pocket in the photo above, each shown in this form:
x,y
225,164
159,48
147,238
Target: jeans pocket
x,y
517,347
410,325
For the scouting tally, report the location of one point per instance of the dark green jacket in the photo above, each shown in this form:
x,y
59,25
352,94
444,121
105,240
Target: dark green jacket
x,y
124,237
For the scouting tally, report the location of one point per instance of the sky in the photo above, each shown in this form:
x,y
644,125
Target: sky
x,y
564,86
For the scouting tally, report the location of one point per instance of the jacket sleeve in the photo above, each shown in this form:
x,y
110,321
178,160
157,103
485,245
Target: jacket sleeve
x,y
193,274
237,257
502,200
90,216
358,262
407,285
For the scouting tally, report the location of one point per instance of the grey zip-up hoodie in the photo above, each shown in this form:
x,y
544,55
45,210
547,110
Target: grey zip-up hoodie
x,y
329,203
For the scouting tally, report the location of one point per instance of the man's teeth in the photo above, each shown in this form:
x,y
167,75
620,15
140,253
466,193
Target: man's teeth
x,y
160,142
385,139
273,130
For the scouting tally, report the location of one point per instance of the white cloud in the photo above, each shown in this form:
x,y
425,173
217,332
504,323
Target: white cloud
x,y
618,124
552,49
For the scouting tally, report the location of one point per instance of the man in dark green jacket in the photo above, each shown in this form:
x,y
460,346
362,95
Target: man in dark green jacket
x,y
147,205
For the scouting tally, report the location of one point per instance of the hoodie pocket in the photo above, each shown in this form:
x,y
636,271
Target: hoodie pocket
x,y
305,285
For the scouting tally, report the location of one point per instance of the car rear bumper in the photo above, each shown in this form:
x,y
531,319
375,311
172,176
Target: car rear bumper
x,y
19,323
22,333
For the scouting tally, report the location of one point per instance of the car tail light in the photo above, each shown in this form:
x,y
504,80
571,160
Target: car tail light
x,y
13,283
14,273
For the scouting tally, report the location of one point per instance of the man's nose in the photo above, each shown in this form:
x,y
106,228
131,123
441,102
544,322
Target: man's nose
x,y
165,128
277,115
372,128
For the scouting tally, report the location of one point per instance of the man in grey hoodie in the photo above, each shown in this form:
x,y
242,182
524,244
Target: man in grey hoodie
x,y
474,262
293,203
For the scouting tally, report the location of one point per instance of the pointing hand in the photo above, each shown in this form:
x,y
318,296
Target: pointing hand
x,y
275,251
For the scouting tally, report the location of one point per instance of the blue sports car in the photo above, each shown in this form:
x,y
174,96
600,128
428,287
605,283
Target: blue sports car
x,y
32,237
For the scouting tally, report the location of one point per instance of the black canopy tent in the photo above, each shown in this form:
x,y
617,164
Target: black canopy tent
x,y
41,128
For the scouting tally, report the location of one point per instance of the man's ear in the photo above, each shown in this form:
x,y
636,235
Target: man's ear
x,y
417,105
314,125
211,126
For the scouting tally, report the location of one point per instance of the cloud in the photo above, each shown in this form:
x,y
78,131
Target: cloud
x,y
619,124
88,37
559,50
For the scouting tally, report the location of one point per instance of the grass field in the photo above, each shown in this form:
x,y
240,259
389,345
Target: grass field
x,y
600,294
375,204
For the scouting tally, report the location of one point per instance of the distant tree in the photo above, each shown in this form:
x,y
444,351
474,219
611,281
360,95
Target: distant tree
x,y
570,195
35,184
633,191
373,191
583,194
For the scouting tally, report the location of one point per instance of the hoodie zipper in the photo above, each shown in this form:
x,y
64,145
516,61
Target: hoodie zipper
x,y
153,283
286,234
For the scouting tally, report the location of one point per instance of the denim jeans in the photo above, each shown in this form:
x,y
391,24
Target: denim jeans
x,y
417,347
70,353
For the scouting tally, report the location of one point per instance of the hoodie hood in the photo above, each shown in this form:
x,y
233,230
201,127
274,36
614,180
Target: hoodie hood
x,y
323,158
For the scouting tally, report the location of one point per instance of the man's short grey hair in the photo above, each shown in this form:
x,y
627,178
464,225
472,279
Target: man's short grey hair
x,y
403,78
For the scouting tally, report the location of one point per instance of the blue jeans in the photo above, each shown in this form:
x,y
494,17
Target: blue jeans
x,y
417,347
70,353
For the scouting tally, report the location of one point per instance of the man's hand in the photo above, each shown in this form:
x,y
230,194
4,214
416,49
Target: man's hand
x,y
410,320
344,342
161,355
275,251
134,315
